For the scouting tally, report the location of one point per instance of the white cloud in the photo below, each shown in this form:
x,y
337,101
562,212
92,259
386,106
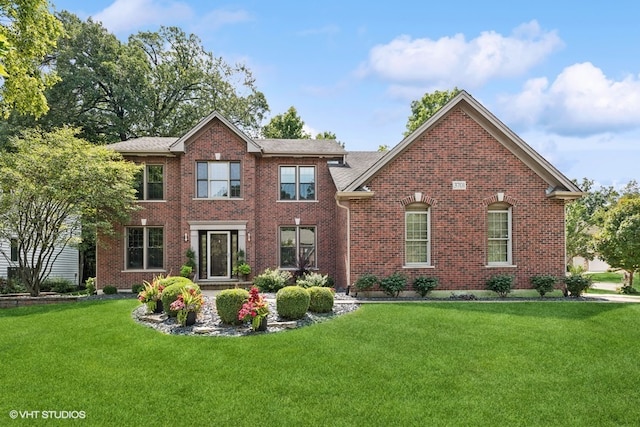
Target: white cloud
x,y
455,61
582,100
126,16
221,17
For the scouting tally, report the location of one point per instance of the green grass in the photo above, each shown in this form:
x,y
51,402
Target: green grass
x,y
439,363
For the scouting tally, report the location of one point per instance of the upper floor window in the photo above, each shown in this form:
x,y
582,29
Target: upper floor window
x,y
150,183
145,248
218,180
499,234
417,234
297,183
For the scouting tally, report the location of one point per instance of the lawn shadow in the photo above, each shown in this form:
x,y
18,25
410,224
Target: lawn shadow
x,y
565,309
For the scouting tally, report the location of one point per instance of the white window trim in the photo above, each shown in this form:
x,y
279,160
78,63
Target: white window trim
x,y
297,183
509,262
418,264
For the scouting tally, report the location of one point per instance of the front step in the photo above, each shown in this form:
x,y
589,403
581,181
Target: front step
x,y
220,285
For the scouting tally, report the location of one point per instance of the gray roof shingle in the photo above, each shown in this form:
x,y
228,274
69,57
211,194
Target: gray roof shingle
x,y
356,162
145,144
317,147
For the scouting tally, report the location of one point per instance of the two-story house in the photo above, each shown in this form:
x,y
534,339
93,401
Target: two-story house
x,y
461,198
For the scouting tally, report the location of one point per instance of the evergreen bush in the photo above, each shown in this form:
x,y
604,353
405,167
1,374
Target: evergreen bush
x,y
171,292
543,283
576,284
109,290
320,299
366,282
500,284
137,288
228,304
423,285
292,302
394,284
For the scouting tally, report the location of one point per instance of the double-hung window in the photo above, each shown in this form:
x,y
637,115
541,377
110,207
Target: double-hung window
x,y
417,235
297,245
499,234
150,183
145,248
297,183
218,179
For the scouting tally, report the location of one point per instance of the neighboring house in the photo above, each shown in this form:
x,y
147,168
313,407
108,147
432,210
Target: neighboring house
x,y
66,266
462,198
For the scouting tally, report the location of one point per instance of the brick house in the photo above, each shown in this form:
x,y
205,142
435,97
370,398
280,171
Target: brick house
x,y
461,198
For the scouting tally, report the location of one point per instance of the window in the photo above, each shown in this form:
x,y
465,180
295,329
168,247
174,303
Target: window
x,y
145,248
14,250
297,183
417,234
217,180
297,243
499,233
150,183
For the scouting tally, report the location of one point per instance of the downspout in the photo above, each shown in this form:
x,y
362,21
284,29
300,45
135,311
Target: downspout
x,y
348,255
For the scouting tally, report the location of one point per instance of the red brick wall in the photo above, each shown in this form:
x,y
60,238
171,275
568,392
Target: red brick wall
x,y
258,206
272,214
458,149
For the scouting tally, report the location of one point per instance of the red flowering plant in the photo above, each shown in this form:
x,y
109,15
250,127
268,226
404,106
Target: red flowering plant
x,y
254,309
152,293
189,300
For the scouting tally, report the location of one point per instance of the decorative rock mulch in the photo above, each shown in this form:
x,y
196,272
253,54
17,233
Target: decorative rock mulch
x,y
208,322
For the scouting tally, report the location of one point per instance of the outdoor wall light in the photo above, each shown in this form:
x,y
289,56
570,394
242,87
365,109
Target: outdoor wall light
x,y
297,220
186,237
143,221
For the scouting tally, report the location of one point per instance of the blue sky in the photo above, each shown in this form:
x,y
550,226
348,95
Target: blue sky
x,y
565,76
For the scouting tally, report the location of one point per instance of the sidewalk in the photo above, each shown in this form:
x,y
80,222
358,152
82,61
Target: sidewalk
x,y
611,297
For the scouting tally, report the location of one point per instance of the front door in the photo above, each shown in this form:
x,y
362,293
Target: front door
x,y
219,255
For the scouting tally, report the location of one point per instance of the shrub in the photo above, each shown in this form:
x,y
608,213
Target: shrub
x,y
313,279
171,292
320,299
109,290
90,285
137,288
500,284
170,280
272,280
228,304
292,302
11,286
576,284
60,285
544,283
366,282
423,285
394,284
186,271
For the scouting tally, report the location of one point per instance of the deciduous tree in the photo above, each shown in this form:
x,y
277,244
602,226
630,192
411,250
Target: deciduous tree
x,y
28,32
427,106
285,126
51,186
618,243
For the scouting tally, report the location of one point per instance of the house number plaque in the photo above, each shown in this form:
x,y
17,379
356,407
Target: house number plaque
x,y
459,185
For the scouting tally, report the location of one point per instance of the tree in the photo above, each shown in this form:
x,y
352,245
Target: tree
x,y
51,186
285,126
427,106
326,135
618,243
157,84
585,216
28,31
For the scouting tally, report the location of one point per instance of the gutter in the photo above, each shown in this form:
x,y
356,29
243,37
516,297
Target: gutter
x,y
348,256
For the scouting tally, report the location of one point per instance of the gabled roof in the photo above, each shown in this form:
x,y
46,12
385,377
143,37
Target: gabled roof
x,y
178,146
301,147
559,185
145,145
355,164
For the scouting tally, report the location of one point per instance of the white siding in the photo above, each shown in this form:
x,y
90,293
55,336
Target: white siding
x,y
66,266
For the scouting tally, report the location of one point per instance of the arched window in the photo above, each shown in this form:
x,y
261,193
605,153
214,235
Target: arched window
x,y
417,234
499,234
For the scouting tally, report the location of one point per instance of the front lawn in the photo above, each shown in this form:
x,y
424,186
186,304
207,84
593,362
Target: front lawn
x,y
439,363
